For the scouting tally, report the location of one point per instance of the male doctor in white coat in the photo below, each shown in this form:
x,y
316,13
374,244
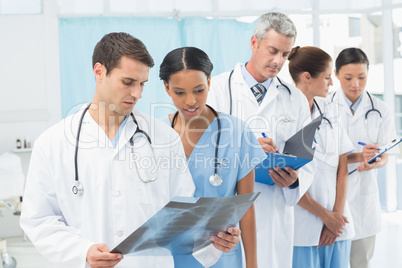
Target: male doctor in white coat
x,y
114,194
279,110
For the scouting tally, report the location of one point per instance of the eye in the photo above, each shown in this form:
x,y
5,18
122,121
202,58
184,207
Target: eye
x,y
198,91
127,82
362,77
179,93
285,55
348,78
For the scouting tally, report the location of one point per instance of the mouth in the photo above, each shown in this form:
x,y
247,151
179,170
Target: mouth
x,y
191,111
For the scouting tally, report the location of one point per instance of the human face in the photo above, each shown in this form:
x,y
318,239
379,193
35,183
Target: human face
x,y
319,85
122,87
269,55
189,91
353,78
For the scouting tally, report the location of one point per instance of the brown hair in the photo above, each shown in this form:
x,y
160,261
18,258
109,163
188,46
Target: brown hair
x,y
307,59
109,50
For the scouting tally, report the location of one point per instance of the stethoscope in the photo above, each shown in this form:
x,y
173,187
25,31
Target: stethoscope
x,y
369,111
215,179
323,117
78,188
230,89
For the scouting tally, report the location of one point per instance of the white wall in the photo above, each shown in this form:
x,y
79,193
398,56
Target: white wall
x,y
29,84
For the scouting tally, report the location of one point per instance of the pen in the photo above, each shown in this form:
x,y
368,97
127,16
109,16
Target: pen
x,y
265,136
364,144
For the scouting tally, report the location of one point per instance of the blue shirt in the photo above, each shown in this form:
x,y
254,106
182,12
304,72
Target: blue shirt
x,y
250,80
116,138
356,104
239,153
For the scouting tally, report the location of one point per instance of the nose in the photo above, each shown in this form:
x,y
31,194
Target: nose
x,y
330,81
355,83
136,91
278,59
190,100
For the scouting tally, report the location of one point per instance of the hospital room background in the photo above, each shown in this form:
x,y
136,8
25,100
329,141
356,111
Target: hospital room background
x,y
46,73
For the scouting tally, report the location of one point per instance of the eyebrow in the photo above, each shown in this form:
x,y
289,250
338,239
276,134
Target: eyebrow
x,y
179,88
132,79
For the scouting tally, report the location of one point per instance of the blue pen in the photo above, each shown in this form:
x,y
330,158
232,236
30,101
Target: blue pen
x,y
265,136
364,144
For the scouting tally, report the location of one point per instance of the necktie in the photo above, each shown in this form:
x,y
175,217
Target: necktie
x,y
351,109
258,91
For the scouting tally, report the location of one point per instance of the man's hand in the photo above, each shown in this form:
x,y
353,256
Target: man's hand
x,y
99,255
226,242
268,145
283,178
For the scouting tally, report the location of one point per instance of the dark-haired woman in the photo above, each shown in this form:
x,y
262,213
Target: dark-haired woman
x,y
324,227
186,73
376,129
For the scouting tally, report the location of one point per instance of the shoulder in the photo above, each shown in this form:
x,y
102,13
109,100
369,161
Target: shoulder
x,y
159,130
224,77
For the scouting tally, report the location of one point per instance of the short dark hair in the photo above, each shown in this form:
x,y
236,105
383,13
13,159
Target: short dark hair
x,y
109,50
307,59
185,58
351,55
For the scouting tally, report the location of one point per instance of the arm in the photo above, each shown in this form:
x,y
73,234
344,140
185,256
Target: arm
x,y
333,220
341,184
247,223
327,237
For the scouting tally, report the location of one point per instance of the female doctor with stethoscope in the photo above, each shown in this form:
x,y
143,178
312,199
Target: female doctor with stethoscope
x,y
369,121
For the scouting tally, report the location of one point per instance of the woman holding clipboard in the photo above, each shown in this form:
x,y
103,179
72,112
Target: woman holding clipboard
x,y
323,222
370,126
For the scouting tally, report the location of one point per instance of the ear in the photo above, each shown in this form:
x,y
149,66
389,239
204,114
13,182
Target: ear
x,y
167,88
99,69
336,74
306,77
209,82
254,43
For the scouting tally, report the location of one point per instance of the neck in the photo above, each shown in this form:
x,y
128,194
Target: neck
x,y
250,67
106,119
310,98
201,121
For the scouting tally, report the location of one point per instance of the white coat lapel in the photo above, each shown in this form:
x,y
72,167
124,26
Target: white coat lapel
x,y
362,108
126,134
272,93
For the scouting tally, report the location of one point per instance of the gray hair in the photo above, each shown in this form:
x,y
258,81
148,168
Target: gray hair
x,y
277,21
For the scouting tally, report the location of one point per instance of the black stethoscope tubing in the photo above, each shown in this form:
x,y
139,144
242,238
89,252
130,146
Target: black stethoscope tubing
x,y
230,89
323,117
78,188
369,111
218,137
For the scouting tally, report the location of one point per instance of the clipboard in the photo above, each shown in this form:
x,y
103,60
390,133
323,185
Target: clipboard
x,y
298,151
393,144
185,225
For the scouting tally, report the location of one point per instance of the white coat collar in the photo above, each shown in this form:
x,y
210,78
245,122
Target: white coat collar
x,y
240,83
340,98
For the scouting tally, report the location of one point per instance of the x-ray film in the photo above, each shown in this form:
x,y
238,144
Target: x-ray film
x,y
185,225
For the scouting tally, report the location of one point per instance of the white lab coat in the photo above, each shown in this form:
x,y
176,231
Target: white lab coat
x,y
363,196
330,143
63,226
279,117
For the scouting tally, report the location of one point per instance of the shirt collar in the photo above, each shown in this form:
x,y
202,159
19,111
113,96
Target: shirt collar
x,y
250,80
349,103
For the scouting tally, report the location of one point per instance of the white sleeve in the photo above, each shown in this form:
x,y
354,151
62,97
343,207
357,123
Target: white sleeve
x,y
389,131
41,216
306,173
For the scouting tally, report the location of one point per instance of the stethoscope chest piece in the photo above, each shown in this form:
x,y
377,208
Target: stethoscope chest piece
x,y
215,180
78,189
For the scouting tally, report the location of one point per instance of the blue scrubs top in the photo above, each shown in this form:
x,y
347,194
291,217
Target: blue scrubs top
x,y
239,152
